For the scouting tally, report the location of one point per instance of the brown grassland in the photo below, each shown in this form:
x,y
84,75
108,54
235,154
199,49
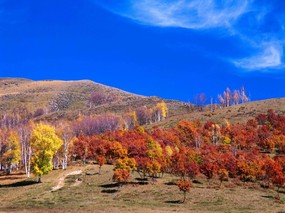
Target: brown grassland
x,y
91,192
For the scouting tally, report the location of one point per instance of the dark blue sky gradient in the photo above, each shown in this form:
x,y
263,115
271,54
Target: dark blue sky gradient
x,y
69,40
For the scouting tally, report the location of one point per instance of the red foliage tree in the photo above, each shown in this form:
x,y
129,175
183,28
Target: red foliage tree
x,y
79,148
97,149
184,186
121,176
185,163
209,166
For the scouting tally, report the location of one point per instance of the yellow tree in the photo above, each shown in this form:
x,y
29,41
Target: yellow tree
x,y
122,170
45,144
160,111
155,154
12,151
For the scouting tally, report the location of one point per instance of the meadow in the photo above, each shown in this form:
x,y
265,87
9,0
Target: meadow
x,y
94,192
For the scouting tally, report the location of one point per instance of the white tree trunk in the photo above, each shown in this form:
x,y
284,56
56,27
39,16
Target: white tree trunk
x,y
65,151
28,163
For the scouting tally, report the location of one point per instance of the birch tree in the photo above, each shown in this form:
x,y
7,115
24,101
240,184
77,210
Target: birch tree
x,y
64,130
26,149
160,112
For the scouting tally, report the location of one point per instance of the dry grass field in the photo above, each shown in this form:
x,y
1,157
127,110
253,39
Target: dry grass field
x,y
91,192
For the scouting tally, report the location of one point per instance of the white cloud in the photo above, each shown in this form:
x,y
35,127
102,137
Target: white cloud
x,y
209,14
192,14
269,57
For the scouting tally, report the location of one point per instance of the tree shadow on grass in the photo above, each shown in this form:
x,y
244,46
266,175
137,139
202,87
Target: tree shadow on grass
x,y
268,196
116,185
19,184
171,183
142,179
196,181
173,201
108,186
137,183
109,191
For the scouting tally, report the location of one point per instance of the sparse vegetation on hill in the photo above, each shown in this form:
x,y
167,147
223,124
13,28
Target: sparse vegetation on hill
x,y
233,114
52,100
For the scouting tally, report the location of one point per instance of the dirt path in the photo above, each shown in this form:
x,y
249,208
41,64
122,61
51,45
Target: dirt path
x,y
60,183
77,182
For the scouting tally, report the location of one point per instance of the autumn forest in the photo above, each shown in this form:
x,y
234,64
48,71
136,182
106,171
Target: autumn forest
x,y
241,153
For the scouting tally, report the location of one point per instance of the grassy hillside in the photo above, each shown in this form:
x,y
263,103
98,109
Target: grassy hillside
x,y
91,192
233,114
40,94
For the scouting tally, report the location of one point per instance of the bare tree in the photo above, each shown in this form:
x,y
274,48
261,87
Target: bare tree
x,y
130,119
143,115
243,95
97,125
236,97
202,100
221,100
65,132
227,97
26,149
232,98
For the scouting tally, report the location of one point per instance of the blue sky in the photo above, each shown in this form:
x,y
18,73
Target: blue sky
x,y
173,48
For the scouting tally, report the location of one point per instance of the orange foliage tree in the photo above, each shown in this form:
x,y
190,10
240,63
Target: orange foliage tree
x,y
184,186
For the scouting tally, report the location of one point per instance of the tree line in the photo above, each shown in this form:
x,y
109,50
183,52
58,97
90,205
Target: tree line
x,y
251,152
20,136
226,99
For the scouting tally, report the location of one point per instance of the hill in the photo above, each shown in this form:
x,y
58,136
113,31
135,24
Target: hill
x,y
234,114
68,99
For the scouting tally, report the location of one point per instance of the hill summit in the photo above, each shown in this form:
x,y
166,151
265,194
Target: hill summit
x,y
67,99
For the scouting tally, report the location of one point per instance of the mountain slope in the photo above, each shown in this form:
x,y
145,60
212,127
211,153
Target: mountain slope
x,y
69,98
234,114
72,98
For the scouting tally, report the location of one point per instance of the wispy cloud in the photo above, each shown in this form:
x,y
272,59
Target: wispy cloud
x,y
269,57
194,14
242,19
